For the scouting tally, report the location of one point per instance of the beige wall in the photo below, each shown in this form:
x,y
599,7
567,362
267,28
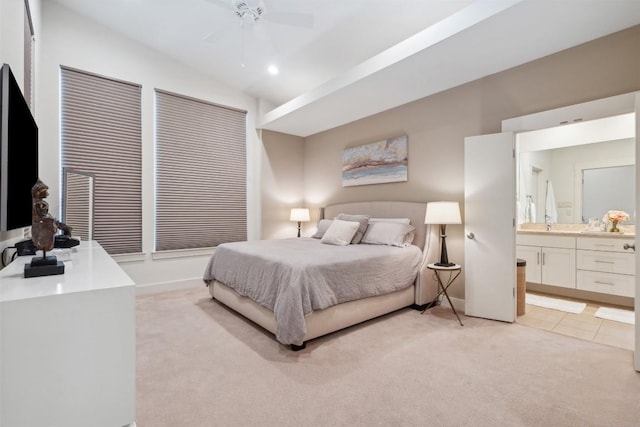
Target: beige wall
x,y
282,183
438,124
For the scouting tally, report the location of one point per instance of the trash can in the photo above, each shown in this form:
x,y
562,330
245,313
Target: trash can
x,y
521,290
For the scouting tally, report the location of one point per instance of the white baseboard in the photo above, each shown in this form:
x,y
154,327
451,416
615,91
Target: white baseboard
x,y
153,288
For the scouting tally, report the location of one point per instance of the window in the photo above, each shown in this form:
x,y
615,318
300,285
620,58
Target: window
x,y
101,137
200,173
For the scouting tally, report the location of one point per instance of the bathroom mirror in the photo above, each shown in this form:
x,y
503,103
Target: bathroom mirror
x,y
608,187
77,202
589,168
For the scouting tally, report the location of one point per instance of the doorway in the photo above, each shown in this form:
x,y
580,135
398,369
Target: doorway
x,y
591,111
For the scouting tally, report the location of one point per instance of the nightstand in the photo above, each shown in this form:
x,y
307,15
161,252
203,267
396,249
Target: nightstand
x,y
454,271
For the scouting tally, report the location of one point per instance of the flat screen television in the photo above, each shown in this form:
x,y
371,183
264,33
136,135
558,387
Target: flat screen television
x,y
18,154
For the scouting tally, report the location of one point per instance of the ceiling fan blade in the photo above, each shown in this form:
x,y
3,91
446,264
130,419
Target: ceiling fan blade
x,y
217,34
212,36
302,20
222,3
261,37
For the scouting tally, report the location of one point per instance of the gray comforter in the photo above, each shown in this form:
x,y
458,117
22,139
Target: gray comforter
x,y
294,277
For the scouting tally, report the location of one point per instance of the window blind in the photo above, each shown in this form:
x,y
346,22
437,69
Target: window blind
x,y
101,135
200,173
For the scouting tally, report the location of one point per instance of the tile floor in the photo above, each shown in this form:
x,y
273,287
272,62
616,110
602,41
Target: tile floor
x,y
584,325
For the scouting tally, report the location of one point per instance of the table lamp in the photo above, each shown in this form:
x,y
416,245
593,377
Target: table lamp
x,y
443,213
300,215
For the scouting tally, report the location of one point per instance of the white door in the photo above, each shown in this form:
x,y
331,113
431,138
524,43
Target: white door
x,y
489,220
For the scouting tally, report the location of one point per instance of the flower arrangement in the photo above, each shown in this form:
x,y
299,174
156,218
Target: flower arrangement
x,y
615,217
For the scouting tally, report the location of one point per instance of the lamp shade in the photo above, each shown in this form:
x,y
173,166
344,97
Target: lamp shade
x,y
299,214
443,213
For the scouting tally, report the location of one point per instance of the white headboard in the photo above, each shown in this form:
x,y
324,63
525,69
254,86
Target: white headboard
x,y
415,211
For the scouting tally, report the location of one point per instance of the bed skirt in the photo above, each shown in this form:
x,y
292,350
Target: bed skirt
x,y
320,322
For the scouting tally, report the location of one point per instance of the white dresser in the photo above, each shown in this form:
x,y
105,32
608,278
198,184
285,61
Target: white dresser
x,y
67,344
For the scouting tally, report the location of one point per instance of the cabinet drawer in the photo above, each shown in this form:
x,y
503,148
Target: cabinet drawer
x,y
551,241
606,283
608,262
603,244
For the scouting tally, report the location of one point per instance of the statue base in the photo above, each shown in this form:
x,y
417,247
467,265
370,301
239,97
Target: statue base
x,y
43,266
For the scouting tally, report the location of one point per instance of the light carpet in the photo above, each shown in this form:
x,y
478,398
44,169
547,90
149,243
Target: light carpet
x,y
200,364
618,315
556,303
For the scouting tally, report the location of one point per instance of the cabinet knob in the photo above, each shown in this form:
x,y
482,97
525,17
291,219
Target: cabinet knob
x,y
628,246
471,236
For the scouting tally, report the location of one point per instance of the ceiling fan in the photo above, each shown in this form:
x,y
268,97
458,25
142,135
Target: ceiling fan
x,y
251,11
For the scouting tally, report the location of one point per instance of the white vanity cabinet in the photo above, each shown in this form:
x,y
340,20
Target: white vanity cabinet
x,y
605,266
551,259
533,257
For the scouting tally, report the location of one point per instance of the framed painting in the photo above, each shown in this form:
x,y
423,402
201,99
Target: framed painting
x,y
375,163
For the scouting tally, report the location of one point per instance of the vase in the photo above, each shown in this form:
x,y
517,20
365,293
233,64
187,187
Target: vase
x,y
614,227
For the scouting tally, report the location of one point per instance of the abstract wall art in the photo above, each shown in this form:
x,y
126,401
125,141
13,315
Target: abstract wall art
x,y
375,163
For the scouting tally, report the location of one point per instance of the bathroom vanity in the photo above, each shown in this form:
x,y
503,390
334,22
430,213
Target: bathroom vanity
x,y
598,262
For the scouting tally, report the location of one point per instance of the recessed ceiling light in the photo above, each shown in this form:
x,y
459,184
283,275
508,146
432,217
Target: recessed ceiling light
x,y
273,70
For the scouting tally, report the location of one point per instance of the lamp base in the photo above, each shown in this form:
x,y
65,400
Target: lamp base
x,y
444,258
445,264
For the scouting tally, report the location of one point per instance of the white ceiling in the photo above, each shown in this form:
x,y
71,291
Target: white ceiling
x,y
360,57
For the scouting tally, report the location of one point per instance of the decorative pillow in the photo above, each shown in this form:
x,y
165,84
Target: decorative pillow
x,y
323,226
340,232
363,220
389,233
400,220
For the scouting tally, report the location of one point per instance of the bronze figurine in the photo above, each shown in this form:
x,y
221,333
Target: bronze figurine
x,y
43,225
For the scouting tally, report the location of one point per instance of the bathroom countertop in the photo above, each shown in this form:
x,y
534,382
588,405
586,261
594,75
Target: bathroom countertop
x,y
577,233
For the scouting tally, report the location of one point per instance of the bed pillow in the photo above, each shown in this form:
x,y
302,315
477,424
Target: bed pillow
x,y
340,232
323,226
363,220
400,220
389,233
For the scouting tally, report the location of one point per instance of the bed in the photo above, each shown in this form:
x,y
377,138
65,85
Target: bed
x,y
316,298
